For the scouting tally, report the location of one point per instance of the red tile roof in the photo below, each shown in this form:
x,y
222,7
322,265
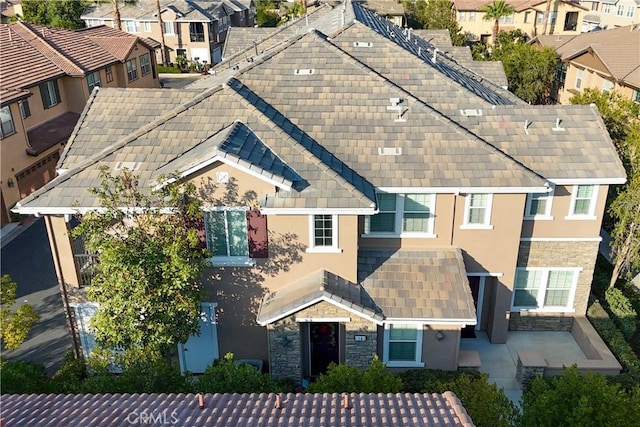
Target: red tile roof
x,y
266,410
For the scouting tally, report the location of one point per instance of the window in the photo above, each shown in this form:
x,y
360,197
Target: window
x,y
146,26
472,16
635,96
620,10
50,94
607,85
539,17
25,110
403,345
224,24
539,205
236,236
145,64
553,16
506,19
579,76
527,16
583,201
403,214
109,73
132,69
594,6
93,80
630,11
6,122
196,31
323,233
541,288
477,211
131,26
606,8
83,314
461,16
168,27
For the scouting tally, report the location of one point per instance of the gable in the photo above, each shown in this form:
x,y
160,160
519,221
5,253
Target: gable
x,y
589,59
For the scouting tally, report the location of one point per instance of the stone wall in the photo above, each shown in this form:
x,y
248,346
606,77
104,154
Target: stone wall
x,y
557,254
286,361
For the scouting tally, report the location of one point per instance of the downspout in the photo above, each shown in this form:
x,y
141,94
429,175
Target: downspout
x,y
453,224
63,288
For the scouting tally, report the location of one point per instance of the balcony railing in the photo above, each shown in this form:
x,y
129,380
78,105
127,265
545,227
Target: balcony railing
x,y
85,262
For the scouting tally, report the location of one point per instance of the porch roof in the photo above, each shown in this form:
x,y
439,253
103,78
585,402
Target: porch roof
x,y
319,286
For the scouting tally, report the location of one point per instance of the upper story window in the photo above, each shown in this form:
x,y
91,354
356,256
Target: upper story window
x,y
607,85
236,236
606,8
131,26
477,211
93,80
6,122
620,10
196,31
635,96
594,6
539,206
145,64
631,11
579,77
472,16
506,19
224,24
168,27
527,16
403,345
50,94
109,73
146,26
545,288
403,214
462,16
132,69
25,110
323,233
583,202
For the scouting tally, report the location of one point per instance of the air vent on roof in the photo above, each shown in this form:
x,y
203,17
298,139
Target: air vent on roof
x,y
304,72
133,166
389,151
471,112
557,127
362,44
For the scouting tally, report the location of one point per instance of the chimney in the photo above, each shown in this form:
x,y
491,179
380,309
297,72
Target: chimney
x,y
200,401
278,404
345,401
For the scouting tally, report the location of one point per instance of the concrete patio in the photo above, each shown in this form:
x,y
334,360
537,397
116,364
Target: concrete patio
x,y
500,360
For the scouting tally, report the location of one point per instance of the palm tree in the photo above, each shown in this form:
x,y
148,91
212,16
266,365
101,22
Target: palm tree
x,y
162,45
494,11
546,17
116,14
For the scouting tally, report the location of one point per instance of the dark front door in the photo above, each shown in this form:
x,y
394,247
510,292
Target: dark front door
x,y
474,284
324,346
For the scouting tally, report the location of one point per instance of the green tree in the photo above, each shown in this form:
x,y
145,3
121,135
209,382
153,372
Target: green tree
x,y
573,399
376,378
625,238
266,14
149,260
493,12
14,325
54,13
434,15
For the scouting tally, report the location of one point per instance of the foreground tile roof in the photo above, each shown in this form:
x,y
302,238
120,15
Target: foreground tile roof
x,y
239,410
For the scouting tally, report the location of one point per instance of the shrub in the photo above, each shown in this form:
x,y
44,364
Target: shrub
x,y
227,376
168,70
623,312
429,380
376,378
23,377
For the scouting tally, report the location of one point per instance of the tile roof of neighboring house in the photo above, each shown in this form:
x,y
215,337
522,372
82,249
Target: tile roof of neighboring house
x,y
319,286
241,410
385,7
439,38
428,285
9,96
616,48
54,131
541,5
518,5
54,52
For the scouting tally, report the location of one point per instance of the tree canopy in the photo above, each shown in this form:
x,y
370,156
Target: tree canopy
x,y
54,13
434,15
149,260
494,11
14,325
266,14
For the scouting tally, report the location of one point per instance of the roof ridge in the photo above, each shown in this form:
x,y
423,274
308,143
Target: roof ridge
x,y
49,48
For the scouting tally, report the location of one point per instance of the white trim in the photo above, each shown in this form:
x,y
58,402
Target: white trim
x,y
485,274
547,213
481,285
398,225
323,319
587,181
417,361
486,225
334,248
231,261
315,211
412,235
581,218
561,239
430,321
542,290
593,201
457,190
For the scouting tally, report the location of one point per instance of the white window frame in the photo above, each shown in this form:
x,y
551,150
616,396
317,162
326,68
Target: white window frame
x,y
631,10
417,362
579,77
4,133
25,108
132,72
592,205
131,26
462,16
146,26
486,225
635,96
620,10
313,248
606,9
171,26
542,290
398,229
607,85
96,82
548,198
53,99
145,66
227,260
472,16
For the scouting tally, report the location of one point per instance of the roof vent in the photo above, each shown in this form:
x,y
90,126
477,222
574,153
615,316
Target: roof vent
x,y
362,44
396,105
133,166
471,112
389,151
557,127
304,72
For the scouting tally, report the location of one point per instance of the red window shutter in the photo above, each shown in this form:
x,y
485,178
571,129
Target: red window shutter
x,y
258,236
198,225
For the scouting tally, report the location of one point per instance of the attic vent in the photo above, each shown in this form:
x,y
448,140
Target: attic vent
x,y
304,72
471,112
389,151
133,166
396,105
557,127
362,44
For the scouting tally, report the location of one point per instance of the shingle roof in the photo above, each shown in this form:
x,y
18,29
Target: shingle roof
x,y
428,285
617,49
320,285
240,410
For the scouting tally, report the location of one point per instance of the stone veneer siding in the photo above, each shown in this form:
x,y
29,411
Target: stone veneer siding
x,y
557,254
286,362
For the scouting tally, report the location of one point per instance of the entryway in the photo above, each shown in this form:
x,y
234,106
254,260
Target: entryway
x,y
476,284
201,350
321,346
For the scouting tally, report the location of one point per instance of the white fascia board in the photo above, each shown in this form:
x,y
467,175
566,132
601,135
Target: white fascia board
x,y
458,190
317,211
485,274
76,210
561,239
587,181
428,321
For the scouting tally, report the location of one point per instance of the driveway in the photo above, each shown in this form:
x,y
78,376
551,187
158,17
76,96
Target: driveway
x,y
178,81
27,259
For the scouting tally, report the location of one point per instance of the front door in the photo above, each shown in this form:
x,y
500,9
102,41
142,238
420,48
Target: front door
x,y
201,350
324,346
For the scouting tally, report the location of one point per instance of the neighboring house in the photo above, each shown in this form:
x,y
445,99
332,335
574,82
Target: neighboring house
x,y
47,76
391,10
387,200
564,18
192,28
9,9
607,14
225,409
603,60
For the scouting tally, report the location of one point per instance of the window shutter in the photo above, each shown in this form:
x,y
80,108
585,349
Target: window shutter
x,y
258,235
44,91
198,225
